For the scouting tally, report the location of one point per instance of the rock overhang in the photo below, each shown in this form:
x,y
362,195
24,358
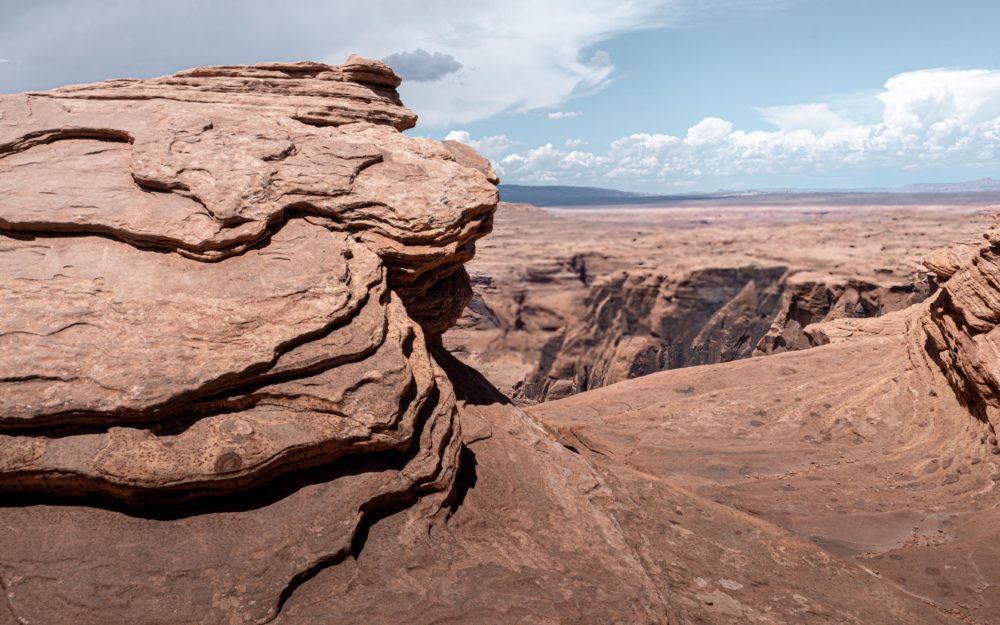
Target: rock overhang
x,y
222,275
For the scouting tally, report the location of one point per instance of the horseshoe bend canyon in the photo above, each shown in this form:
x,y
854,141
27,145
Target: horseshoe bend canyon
x,y
264,358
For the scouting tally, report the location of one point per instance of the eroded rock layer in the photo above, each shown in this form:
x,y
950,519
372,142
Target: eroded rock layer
x,y
963,324
210,162
642,322
219,290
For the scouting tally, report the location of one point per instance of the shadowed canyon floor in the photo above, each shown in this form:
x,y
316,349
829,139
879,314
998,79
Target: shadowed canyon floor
x,y
225,396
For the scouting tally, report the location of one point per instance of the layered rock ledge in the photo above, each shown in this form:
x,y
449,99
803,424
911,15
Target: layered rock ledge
x,y
219,291
963,325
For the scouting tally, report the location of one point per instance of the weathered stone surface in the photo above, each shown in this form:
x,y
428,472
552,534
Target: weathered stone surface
x,y
962,326
543,527
98,331
943,263
853,329
224,399
207,163
856,449
210,382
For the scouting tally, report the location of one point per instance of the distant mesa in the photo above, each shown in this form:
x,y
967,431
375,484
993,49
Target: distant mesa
x,y
568,195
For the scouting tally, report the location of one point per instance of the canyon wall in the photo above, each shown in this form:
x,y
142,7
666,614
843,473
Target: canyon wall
x,y
573,300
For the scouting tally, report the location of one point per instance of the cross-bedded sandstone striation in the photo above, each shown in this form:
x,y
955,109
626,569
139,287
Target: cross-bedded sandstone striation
x,y
219,290
211,162
963,324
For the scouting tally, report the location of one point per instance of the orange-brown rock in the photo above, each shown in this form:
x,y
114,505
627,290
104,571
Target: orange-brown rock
x,y
219,291
857,448
224,399
961,325
210,162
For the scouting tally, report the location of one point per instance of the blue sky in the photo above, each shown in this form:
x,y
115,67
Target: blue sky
x,y
658,95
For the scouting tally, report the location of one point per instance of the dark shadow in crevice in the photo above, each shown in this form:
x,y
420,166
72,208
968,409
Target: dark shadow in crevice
x,y
259,491
304,576
465,479
375,514
170,506
42,137
470,386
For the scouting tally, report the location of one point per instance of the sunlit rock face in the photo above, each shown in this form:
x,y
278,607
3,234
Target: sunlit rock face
x,y
219,289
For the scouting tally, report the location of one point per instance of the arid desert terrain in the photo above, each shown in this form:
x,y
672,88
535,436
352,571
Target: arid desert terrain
x,y
264,358
572,299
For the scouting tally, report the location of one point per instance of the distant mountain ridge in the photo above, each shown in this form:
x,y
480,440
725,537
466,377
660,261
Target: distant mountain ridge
x,y
566,195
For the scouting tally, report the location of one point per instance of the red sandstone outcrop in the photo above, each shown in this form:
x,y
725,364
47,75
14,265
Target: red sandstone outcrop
x,y
962,325
219,290
210,162
223,397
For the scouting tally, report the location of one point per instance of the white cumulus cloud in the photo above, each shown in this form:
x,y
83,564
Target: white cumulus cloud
x,y
492,146
564,114
575,143
929,118
816,117
466,61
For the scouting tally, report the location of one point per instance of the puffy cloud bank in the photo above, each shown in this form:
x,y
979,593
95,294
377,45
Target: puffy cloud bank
x,y
937,117
492,146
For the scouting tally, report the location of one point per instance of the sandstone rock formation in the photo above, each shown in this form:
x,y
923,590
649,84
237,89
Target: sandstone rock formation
x,y
219,290
878,447
224,398
961,325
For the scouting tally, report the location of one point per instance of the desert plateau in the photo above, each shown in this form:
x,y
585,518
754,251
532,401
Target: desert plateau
x,y
276,350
